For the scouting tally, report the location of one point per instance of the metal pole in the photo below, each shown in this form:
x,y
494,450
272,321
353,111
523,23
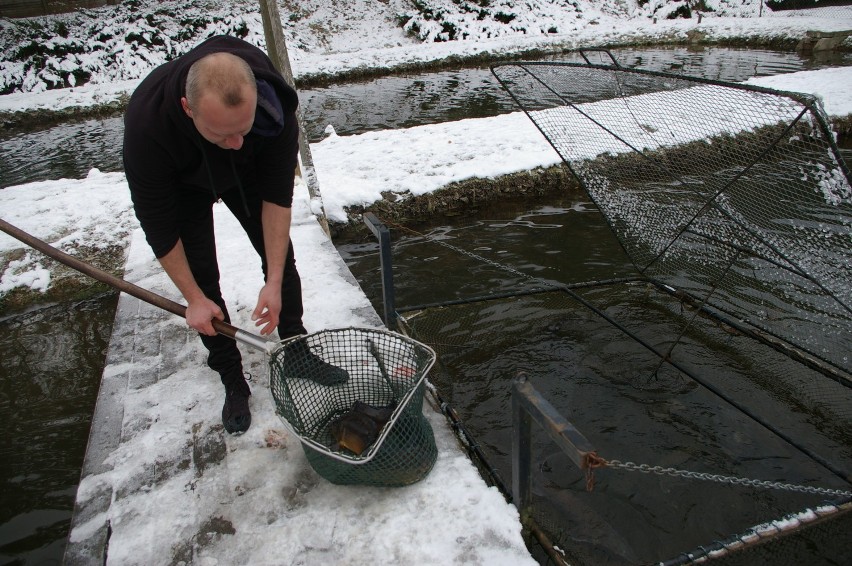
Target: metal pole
x,y
149,297
527,406
382,234
521,452
276,48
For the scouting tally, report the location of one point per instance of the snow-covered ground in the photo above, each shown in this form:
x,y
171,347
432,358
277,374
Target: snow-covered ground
x,y
95,211
113,47
122,42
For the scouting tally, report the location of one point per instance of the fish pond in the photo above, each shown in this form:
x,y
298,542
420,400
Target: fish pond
x,y
53,355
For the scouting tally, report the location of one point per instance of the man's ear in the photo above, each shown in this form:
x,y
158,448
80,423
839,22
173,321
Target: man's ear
x,y
185,105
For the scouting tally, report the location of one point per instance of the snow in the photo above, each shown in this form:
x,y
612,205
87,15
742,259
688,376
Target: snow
x,y
326,522
832,86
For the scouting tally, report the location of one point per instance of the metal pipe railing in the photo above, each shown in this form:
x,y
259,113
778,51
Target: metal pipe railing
x,y
527,406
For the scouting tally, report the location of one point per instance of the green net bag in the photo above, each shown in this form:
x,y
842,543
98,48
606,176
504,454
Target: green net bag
x,y
354,397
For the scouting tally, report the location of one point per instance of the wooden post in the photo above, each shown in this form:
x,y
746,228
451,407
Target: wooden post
x,y
276,48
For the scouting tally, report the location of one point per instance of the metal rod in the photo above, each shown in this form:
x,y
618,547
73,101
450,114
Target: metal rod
x,y
551,288
527,406
168,305
382,234
276,48
383,369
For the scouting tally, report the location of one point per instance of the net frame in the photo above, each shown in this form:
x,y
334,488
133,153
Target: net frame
x,y
383,367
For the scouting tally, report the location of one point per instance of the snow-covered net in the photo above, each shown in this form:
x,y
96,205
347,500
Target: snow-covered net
x,y
736,197
384,371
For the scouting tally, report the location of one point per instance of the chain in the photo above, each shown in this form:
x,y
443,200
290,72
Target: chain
x,y
660,471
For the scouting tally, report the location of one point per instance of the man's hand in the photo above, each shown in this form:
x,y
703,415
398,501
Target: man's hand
x,y
200,314
268,308
200,310
276,238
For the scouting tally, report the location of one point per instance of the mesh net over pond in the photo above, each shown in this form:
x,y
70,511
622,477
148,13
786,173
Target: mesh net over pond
x,y
735,196
727,350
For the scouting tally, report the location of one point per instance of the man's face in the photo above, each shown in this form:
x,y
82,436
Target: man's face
x,y
221,125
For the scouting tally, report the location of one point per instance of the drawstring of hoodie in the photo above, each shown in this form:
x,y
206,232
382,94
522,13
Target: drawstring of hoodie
x,y
233,170
239,184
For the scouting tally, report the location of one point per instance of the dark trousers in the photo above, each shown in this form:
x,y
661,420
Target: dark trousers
x,y
199,242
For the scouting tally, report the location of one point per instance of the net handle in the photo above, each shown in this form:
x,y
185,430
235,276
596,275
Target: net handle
x,y
221,327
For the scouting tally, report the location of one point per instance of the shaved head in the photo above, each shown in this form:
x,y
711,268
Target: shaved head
x,y
221,99
222,75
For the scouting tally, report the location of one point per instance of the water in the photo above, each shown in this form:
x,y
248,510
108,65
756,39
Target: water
x,y
408,100
610,388
70,150
53,358
52,362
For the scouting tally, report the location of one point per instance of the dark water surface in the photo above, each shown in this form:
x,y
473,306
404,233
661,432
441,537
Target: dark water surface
x,y
610,387
52,364
52,358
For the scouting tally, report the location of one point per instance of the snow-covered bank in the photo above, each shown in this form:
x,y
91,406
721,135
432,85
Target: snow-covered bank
x,y
101,55
427,158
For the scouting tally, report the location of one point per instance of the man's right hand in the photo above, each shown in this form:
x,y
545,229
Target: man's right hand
x,y
200,310
200,314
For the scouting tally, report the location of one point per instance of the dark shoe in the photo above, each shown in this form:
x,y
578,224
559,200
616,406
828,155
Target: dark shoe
x,y
304,363
236,415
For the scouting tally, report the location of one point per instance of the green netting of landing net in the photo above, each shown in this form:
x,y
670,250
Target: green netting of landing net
x,y
320,379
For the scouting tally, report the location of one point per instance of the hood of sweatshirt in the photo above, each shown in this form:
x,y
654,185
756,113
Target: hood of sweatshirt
x,y
275,96
164,154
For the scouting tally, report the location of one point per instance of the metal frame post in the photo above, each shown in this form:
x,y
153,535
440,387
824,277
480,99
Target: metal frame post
x,y
276,48
528,405
382,234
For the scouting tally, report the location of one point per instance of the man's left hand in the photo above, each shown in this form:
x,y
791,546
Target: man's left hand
x,y
268,308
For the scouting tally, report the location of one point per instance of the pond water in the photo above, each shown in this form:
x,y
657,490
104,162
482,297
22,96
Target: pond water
x,y
70,150
609,387
53,357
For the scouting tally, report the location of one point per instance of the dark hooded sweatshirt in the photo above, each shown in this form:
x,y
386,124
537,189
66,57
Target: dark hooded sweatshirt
x,y
164,154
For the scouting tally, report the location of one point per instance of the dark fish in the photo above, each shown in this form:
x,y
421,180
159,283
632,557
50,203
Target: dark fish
x,y
359,427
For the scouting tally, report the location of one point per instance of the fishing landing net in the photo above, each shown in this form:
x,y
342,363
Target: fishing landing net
x,y
359,411
727,348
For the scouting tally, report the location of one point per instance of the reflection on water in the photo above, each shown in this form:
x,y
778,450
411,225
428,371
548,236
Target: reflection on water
x,y
409,100
65,151
612,389
52,362
70,150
